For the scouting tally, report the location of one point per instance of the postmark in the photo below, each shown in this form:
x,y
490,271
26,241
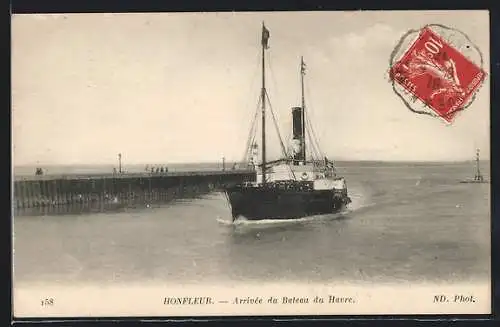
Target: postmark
x,y
436,71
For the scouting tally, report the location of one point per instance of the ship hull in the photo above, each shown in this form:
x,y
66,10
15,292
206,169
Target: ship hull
x,y
259,203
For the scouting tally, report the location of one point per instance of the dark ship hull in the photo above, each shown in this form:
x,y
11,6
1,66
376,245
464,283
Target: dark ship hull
x,y
286,202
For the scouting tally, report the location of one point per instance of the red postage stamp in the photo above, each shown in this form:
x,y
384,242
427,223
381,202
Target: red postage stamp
x,y
437,74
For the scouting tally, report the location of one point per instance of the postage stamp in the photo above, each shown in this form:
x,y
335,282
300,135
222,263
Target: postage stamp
x,y
441,70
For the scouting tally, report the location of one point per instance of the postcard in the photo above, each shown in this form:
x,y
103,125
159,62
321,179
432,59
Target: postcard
x,y
251,163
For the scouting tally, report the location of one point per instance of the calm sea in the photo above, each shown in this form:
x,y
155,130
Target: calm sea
x,y
407,222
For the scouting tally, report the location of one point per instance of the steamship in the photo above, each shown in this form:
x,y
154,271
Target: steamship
x,y
295,185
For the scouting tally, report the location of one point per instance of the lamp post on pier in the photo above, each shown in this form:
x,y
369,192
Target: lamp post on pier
x,y
119,163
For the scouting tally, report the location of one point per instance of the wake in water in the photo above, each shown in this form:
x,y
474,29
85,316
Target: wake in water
x,y
242,221
360,199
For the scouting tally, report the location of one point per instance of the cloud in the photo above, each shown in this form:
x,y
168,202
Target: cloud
x,y
145,84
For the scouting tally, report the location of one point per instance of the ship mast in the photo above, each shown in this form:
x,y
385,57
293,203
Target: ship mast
x,y
302,73
265,38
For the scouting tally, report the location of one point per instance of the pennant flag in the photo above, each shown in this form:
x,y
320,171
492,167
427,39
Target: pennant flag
x,y
303,67
265,37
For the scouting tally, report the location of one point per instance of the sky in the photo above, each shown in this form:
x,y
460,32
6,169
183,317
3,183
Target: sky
x,y
183,87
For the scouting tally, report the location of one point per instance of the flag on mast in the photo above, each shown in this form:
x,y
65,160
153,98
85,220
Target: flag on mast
x,y
265,37
302,66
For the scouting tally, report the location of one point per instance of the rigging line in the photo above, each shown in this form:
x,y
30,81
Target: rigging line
x,y
314,138
309,113
275,84
313,149
252,142
292,173
314,146
273,76
248,153
251,136
276,126
253,79
317,145
247,147
317,152
255,73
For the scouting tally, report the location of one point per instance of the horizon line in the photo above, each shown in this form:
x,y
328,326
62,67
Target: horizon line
x,y
237,161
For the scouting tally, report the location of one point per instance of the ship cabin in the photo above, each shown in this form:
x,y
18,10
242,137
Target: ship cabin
x,y
311,175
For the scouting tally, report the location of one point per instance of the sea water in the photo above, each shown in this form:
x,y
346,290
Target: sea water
x,y
407,222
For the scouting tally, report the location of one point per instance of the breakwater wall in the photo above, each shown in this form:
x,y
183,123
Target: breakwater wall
x,y
72,193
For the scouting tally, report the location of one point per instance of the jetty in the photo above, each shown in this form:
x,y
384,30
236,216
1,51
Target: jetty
x,y
76,193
